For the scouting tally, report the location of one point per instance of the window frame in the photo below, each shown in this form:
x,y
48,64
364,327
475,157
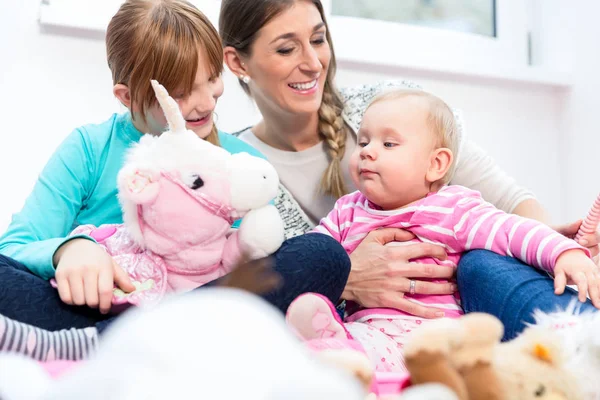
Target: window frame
x,y
436,53
94,15
433,48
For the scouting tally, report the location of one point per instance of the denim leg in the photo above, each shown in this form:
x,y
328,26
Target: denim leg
x,y
310,263
27,298
509,289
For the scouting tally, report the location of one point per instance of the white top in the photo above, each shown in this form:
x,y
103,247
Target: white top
x,y
300,172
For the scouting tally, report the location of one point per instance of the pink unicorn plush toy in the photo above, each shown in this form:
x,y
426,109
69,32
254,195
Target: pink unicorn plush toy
x,y
180,195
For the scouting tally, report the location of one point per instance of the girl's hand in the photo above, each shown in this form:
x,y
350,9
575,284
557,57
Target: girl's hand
x,y
381,275
574,267
86,274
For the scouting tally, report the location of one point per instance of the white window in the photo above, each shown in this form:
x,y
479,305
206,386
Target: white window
x,y
519,40
487,38
80,14
470,16
96,14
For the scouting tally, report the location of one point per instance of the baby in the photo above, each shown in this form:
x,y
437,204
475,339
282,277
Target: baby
x,y
406,154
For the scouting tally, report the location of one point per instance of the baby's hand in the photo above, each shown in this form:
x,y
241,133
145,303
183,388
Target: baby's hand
x,y
574,267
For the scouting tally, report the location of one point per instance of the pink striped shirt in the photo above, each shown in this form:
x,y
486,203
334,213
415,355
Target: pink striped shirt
x,y
455,218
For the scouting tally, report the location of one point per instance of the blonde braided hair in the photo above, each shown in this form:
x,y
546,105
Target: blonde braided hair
x,y
333,131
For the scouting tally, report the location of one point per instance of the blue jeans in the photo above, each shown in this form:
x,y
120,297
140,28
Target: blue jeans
x,y
307,263
510,290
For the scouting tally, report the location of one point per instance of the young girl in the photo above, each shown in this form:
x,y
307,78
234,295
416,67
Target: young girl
x,y
173,42
407,147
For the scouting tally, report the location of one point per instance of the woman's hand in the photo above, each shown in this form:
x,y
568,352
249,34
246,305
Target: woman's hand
x,y
590,241
86,274
381,275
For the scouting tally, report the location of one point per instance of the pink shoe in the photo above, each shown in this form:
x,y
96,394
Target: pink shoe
x,y
313,316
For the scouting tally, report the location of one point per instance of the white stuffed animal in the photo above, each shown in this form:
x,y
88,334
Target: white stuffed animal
x,y
580,334
217,343
212,344
180,195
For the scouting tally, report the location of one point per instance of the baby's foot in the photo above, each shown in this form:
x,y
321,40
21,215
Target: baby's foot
x,y
313,316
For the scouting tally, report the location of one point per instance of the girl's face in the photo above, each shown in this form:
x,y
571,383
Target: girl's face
x,y
289,61
197,107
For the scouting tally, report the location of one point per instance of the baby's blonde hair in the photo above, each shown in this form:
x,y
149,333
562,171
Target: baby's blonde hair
x,y
441,119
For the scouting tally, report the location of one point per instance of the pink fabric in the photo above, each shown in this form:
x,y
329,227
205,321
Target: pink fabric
x,y
57,368
186,241
385,383
456,218
384,339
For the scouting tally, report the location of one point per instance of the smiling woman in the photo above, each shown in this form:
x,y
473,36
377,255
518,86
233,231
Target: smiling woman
x,y
284,48
276,47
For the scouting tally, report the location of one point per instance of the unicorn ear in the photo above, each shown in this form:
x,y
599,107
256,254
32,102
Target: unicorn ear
x,y
138,185
170,108
543,345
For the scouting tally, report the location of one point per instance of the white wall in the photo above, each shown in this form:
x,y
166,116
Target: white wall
x,y
517,124
54,81
49,84
581,141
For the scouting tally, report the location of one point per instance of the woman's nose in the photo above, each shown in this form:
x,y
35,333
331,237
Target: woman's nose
x,y
311,60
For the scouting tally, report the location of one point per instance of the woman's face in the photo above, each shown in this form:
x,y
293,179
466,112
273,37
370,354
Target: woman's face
x,y
289,61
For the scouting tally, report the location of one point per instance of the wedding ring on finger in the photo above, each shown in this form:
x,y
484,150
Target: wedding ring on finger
x,y
413,284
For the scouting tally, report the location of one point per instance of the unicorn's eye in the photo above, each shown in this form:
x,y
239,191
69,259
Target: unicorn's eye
x,y
198,182
540,391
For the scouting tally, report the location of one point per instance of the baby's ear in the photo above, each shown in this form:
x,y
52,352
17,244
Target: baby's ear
x,y
138,185
439,165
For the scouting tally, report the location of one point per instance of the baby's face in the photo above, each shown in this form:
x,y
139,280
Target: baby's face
x,y
394,151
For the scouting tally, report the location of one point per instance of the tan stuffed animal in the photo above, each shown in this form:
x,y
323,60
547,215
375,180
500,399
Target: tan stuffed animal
x,y
466,355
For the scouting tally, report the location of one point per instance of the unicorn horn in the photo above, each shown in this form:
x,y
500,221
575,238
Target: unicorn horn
x,y
170,108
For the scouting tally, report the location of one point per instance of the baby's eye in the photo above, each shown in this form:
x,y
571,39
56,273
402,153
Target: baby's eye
x,y
198,182
362,144
389,144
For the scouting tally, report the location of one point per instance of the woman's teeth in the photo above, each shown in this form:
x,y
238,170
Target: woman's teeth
x,y
303,86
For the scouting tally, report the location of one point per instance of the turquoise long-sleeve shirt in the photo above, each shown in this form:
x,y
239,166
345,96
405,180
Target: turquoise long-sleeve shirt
x,y
78,186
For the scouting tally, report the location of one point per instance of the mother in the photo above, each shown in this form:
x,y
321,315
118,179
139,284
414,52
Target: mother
x,y
282,53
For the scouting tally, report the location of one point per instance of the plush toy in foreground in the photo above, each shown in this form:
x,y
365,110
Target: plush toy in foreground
x,y
466,355
579,334
236,347
180,195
